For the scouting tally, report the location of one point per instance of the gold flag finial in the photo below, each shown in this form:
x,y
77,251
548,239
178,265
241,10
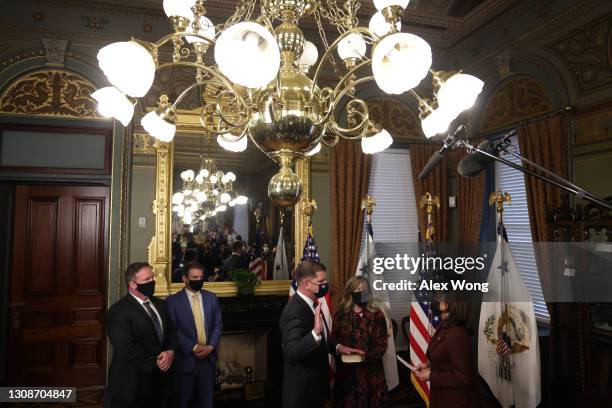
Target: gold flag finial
x,y
309,207
428,202
499,198
367,204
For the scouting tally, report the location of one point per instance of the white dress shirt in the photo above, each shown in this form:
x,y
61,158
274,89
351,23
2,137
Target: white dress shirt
x,y
161,324
310,303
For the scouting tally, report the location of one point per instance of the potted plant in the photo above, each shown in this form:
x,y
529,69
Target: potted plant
x,y
245,280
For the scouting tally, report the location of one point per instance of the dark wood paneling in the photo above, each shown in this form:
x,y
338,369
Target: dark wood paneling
x,y
58,290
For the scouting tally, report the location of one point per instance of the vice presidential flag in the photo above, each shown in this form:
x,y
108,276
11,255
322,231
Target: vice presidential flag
x,y
281,269
508,347
381,300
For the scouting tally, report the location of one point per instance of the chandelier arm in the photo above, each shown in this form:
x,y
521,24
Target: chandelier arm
x,y
344,91
357,129
219,110
222,135
326,94
349,74
328,52
334,140
179,35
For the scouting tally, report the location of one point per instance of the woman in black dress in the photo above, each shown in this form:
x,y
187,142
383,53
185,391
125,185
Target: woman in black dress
x,y
359,324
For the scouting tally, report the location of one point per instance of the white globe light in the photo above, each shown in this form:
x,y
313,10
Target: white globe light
x,y
187,175
230,176
158,127
207,29
309,55
352,46
201,196
113,104
383,4
199,179
232,203
177,198
241,200
436,122
179,8
221,208
376,143
235,143
225,198
314,150
459,92
213,179
400,61
128,66
204,173
251,45
379,26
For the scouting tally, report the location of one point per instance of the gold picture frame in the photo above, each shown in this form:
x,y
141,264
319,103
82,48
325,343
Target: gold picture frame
x,y
160,247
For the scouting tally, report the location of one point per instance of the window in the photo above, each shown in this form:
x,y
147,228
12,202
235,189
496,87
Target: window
x,y
516,220
394,219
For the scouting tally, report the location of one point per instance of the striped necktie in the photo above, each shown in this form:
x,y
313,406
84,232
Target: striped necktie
x,y
156,323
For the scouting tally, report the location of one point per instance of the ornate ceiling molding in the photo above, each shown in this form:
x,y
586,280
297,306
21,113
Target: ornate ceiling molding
x,y
50,93
517,98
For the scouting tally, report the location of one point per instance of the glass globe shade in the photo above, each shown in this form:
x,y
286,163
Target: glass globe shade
x,y
376,143
383,4
230,176
225,198
128,66
213,179
204,173
201,196
314,150
158,127
459,92
221,208
207,29
113,104
187,175
241,200
177,198
309,55
436,122
400,61
199,179
238,145
379,26
251,45
232,203
352,46
179,8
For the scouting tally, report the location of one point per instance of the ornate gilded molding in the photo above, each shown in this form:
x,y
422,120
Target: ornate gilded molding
x,y
517,98
53,92
396,118
142,144
587,52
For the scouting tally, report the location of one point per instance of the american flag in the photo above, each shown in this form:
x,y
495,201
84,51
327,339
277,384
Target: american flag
x,y
423,324
257,264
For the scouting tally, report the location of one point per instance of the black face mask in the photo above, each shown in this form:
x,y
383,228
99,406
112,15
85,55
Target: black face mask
x,y
147,289
323,289
360,298
196,284
435,307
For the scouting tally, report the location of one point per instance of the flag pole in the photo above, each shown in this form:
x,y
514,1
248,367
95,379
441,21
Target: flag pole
x,y
428,203
498,199
367,204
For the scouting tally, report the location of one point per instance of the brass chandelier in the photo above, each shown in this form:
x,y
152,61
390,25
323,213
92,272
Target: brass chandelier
x,y
264,85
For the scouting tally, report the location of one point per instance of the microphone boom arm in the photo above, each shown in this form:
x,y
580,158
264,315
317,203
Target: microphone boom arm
x,y
559,182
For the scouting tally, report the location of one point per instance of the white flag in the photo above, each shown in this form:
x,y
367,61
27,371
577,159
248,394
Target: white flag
x,y
381,300
508,347
281,269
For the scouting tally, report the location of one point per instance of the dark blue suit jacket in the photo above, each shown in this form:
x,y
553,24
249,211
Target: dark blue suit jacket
x,y
181,318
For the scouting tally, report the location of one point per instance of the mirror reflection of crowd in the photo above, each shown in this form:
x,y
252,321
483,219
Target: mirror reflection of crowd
x,y
208,247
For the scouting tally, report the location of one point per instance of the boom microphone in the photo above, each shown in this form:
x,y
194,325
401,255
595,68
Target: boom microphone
x,y
475,162
437,157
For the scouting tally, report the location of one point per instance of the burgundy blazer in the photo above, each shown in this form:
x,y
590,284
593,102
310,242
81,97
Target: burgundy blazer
x,y
453,378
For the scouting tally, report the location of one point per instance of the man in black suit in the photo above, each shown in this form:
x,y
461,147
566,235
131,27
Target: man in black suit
x,y
237,260
140,334
306,342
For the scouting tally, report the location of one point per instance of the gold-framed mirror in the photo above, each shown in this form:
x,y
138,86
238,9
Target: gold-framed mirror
x,y
187,151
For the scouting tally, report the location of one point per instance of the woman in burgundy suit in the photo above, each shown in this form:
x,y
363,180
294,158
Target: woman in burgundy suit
x,y
359,324
450,369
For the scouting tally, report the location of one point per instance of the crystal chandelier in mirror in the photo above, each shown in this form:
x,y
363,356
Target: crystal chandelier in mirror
x,y
265,83
205,193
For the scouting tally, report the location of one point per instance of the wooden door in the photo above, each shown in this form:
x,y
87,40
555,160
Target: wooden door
x,y
58,286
